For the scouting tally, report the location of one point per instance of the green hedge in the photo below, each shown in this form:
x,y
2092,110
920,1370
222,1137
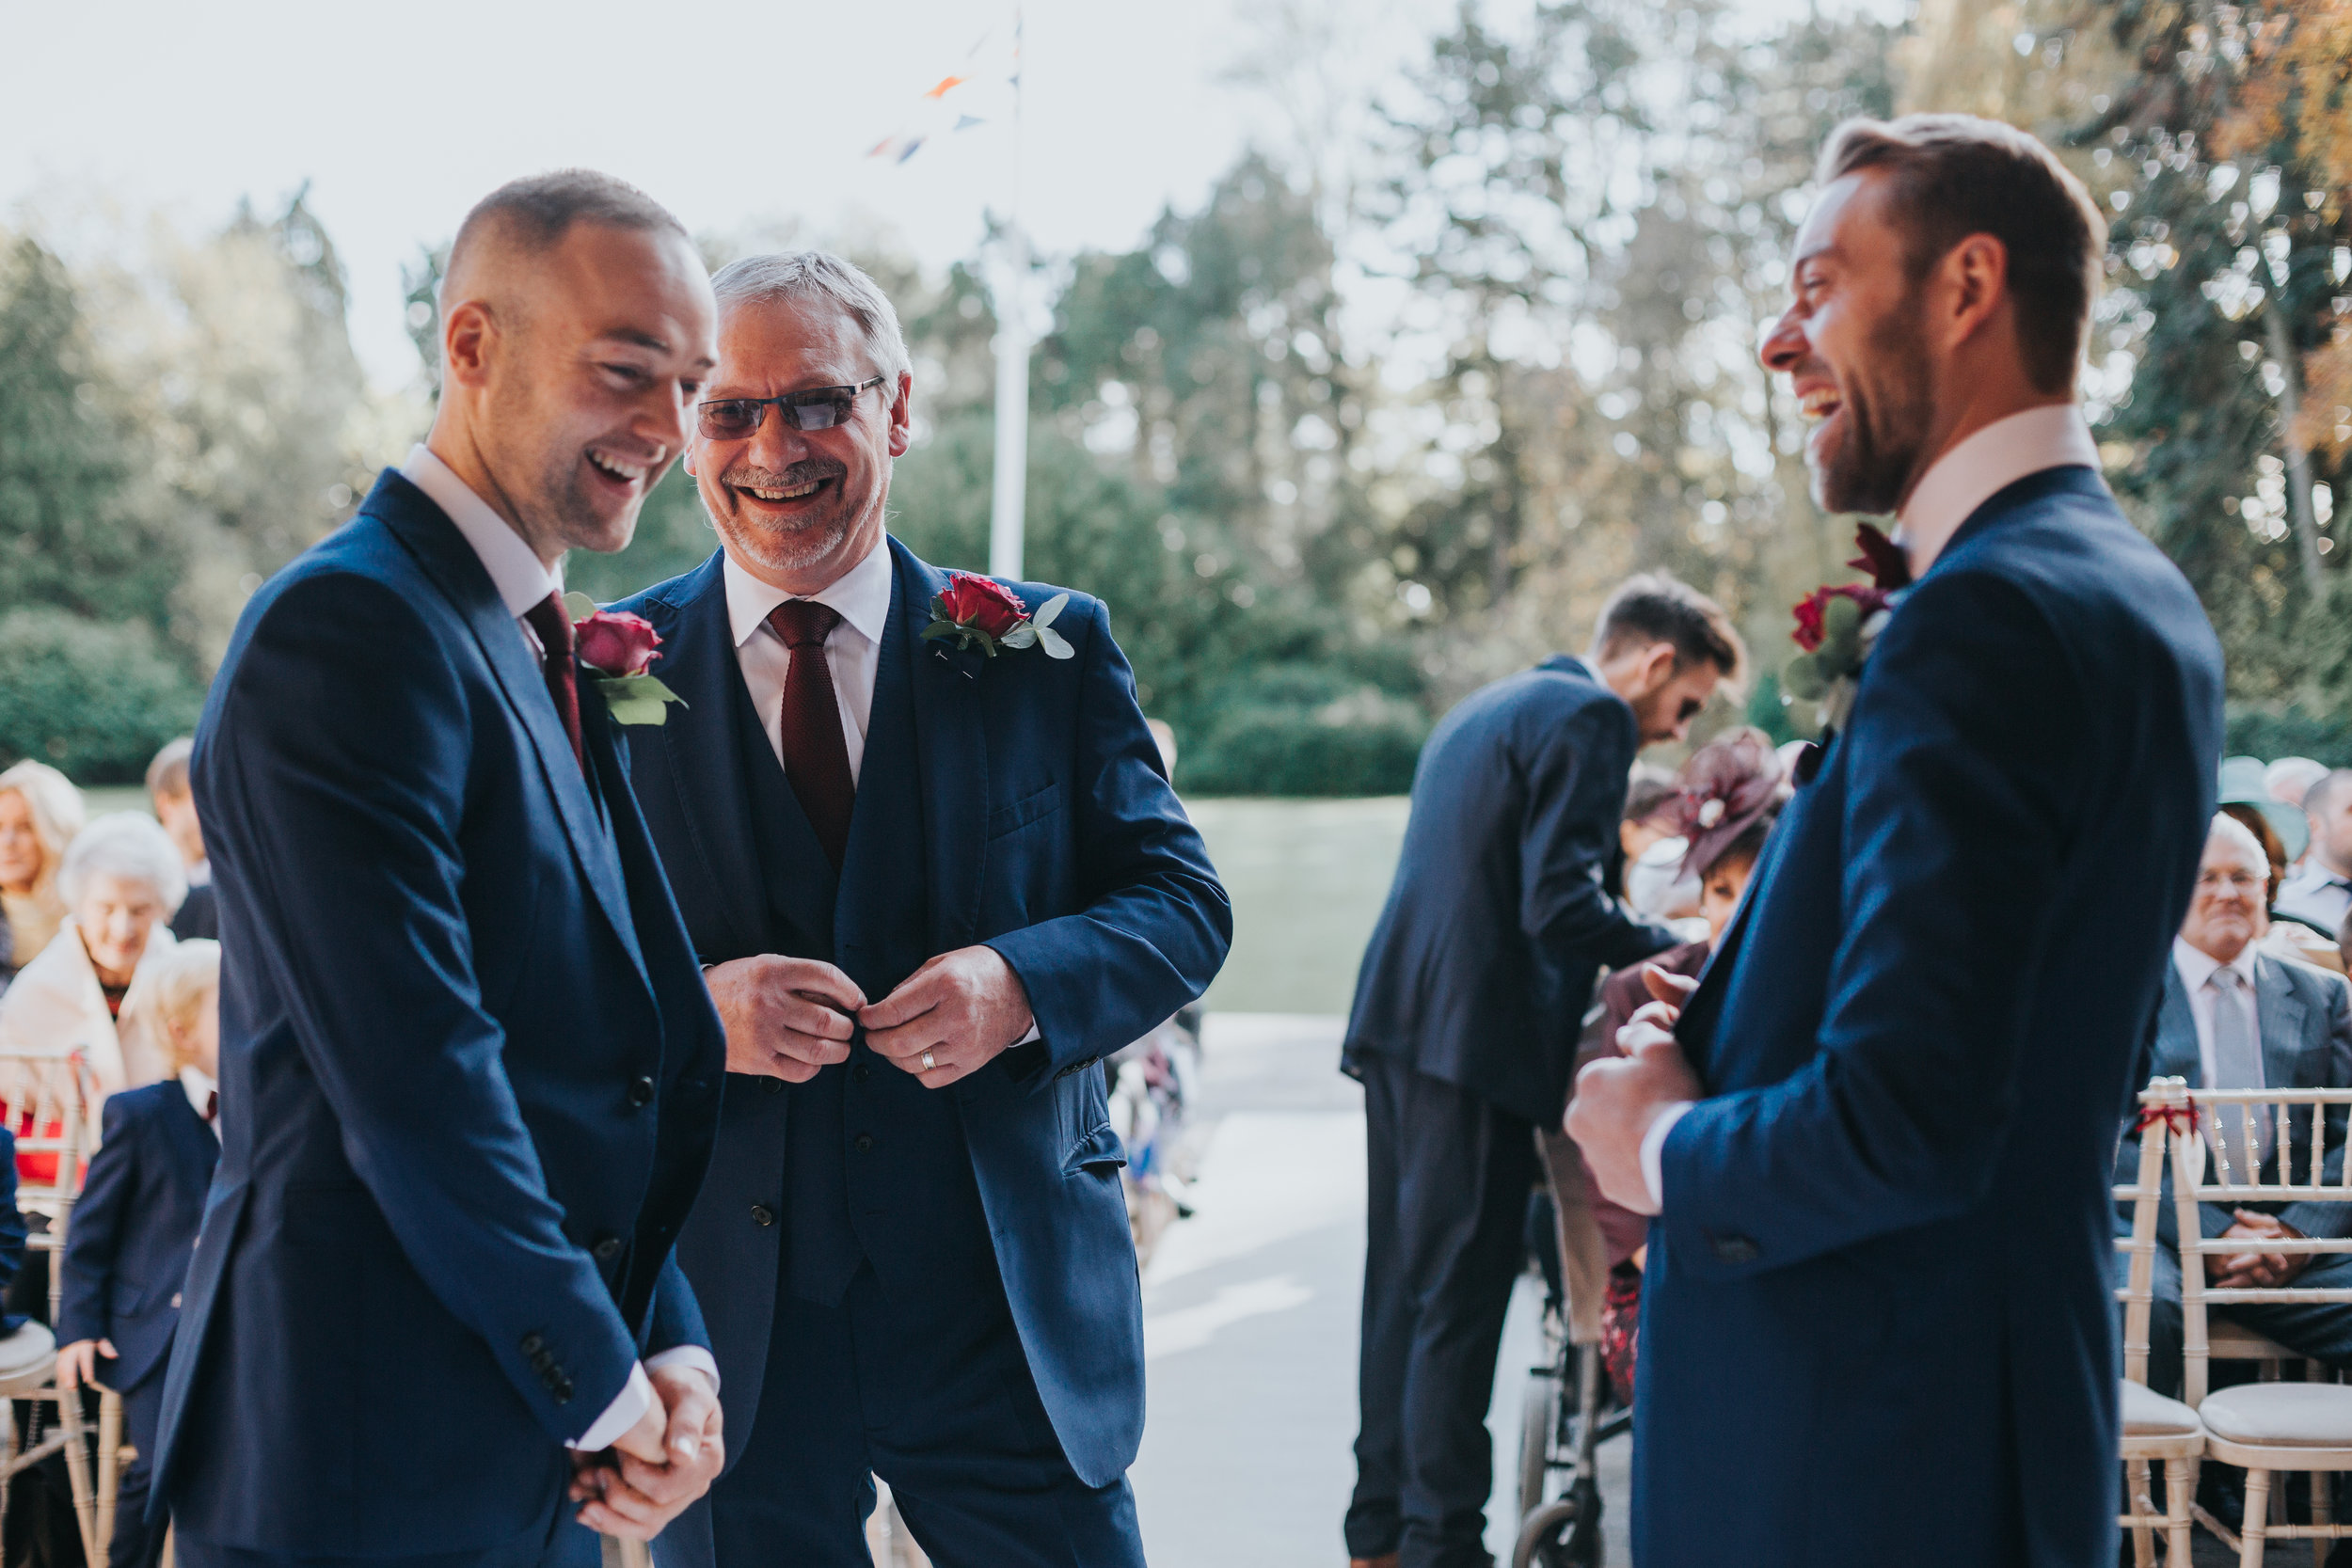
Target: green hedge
x,y
1361,743
2291,732
95,699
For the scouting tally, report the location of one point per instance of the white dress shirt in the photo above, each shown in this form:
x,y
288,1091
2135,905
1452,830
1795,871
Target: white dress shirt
x,y
523,582
2313,892
853,648
2197,967
1955,484
200,1088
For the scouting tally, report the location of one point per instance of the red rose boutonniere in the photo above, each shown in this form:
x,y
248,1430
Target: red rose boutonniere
x,y
980,612
1838,625
616,650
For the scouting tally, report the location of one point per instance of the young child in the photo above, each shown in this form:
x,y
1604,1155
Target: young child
x,y
127,1245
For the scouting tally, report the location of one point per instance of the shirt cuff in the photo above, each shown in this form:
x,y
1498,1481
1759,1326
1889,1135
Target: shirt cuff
x,y
627,1409
1654,1152
687,1356
1030,1039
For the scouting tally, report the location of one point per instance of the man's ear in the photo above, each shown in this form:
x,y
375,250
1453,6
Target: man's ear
x,y
902,416
1975,275
468,338
1658,668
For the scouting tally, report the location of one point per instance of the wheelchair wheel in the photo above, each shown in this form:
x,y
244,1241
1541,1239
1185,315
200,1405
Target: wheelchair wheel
x,y
1564,1534
1540,1423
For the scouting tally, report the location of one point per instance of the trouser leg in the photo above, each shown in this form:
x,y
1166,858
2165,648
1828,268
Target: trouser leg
x,y
2322,1330
1465,1168
1384,1344
799,1496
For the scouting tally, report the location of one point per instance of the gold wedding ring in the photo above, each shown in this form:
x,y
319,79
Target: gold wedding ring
x,y
928,1063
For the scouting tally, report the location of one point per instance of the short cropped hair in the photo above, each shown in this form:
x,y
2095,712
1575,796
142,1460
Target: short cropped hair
x,y
132,845
535,212
169,773
177,983
2227,830
1656,608
2318,801
1957,175
819,275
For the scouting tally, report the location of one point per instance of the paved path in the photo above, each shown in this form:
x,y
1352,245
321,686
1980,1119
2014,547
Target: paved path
x,y
1250,1320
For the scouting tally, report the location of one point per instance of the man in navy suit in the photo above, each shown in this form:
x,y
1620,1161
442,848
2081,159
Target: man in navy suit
x,y
1877,1139
2236,1017
935,888
1464,1031
470,1072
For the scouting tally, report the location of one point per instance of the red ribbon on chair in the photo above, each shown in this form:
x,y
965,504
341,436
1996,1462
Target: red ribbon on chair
x,y
2182,1120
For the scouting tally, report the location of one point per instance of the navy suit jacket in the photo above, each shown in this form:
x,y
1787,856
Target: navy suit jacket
x,y
1048,832
126,1254
1481,966
2305,1018
1887,1235
470,1072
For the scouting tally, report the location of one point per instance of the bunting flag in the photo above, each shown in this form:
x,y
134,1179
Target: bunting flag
x,y
978,92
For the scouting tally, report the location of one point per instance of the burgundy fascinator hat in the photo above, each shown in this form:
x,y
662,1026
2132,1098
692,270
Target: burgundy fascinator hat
x,y
1729,785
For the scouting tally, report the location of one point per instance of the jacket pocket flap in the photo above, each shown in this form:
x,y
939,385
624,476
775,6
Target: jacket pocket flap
x,y
1041,802
1099,1150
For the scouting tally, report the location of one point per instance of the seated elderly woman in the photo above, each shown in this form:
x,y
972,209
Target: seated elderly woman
x,y
40,814
79,998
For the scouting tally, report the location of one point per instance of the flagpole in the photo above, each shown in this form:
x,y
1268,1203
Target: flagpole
x,y
1005,524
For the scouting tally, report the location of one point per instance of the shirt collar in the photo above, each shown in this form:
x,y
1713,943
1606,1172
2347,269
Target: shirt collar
x,y
862,594
2197,966
1996,458
521,578
199,1086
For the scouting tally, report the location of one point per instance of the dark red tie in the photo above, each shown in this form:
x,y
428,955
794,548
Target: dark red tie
x,y
815,754
212,1105
554,627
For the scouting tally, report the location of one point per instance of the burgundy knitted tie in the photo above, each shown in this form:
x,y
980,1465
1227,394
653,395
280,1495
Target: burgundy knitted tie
x,y
815,754
554,627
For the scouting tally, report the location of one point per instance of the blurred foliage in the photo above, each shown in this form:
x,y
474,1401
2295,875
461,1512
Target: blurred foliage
x,y
95,698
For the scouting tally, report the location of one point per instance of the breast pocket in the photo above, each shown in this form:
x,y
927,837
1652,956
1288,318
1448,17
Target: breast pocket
x,y
1034,806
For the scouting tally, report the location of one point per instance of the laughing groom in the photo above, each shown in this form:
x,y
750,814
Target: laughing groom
x,y
935,885
1879,1139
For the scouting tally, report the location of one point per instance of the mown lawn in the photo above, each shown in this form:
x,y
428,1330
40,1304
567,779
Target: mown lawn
x,y
1307,880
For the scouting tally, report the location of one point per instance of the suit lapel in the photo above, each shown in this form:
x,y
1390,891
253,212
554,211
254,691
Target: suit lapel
x,y
194,1149
2278,1019
705,751
2176,1033
951,754
449,562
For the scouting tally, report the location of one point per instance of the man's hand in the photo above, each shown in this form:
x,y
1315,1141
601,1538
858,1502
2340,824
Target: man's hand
x,y
77,1363
659,1465
784,1017
2241,1270
963,1008
1616,1100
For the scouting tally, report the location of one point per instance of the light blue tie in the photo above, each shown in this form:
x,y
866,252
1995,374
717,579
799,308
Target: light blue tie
x,y
2237,1064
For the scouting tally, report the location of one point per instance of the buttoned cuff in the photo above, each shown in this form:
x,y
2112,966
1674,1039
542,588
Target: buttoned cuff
x,y
1654,1152
628,1408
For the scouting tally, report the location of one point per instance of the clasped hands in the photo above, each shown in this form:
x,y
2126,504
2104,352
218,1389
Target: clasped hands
x,y
786,1018
2258,1270
657,1468
1617,1098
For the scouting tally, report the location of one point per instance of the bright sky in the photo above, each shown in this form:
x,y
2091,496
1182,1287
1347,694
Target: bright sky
x,y
734,115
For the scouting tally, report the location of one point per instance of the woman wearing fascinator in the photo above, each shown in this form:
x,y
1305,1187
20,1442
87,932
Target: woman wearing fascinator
x,y
1729,794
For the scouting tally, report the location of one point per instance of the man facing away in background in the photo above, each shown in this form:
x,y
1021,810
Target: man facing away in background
x,y
1464,1031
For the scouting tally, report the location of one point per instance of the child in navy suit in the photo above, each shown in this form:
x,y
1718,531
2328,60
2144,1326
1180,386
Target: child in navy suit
x,y
127,1247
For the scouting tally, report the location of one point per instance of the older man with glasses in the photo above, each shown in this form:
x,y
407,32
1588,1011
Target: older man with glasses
x,y
928,852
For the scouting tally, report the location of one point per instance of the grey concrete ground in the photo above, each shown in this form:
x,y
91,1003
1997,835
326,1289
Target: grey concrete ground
x,y
1250,1320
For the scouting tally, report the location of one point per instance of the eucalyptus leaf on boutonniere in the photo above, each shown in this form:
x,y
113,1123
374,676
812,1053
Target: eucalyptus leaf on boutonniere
x,y
1838,625
616,649
980,612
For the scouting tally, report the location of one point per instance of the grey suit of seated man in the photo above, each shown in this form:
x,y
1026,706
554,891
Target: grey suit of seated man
x,y
2233,1017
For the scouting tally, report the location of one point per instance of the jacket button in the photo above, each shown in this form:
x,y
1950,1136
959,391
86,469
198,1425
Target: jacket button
x,y
860,1074
1735,1249
864,1143
560,1390
607,1248
640,1094
532,1343
762,1215
771,1086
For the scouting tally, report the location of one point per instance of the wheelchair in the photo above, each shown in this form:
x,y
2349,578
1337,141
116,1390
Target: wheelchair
x,y
1566,1414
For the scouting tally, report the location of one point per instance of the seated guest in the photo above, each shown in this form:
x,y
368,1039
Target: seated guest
x,y
122,878
2289,779
40,814
168,791
1727,797
2319,891
2235,1018
134,1227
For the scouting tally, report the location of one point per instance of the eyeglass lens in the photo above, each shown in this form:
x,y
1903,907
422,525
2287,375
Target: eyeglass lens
x,y
733,418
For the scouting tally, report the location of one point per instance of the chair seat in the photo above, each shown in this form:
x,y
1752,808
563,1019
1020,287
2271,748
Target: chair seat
x,y
27,1358
2149,1414
2281,1415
